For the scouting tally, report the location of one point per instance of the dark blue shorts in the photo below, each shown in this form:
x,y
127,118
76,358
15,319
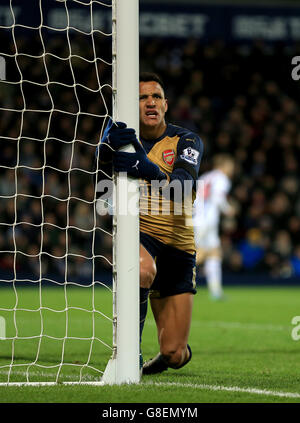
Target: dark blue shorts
x,y
176,269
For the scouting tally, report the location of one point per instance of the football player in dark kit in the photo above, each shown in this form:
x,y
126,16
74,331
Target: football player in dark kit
x,y
168,155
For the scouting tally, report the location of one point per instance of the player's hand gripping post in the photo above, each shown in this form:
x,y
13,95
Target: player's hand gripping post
x,y
135,164
116,135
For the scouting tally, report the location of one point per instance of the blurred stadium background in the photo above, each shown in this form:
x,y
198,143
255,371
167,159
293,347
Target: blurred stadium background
x,y
227,67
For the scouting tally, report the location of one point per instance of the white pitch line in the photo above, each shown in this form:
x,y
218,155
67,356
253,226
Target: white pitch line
x,y
227,388
255,391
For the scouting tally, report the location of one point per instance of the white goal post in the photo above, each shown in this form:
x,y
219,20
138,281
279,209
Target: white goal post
x,y
123,366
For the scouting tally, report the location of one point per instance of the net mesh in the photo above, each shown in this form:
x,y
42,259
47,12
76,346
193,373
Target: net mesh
x,y
55,250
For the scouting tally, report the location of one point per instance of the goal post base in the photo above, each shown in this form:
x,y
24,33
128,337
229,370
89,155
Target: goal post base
x,y
109,375
112,377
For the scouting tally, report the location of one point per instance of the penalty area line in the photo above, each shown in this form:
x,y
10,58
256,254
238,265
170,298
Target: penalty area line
x,y
254,391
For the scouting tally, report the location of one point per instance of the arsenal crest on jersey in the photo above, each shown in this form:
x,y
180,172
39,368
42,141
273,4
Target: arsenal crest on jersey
x,y
169,157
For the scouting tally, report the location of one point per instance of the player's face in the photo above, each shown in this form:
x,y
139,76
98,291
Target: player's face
x,y
153,104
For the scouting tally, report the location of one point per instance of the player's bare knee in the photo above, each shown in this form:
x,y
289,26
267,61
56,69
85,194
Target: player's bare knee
x,y
147,274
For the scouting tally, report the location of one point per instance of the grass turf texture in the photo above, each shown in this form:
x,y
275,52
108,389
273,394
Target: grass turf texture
x,y
238,345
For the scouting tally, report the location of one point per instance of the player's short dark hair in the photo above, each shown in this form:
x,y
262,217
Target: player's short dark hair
x,y
151,76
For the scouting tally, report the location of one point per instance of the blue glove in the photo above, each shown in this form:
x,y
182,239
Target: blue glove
x,y
137,164
115,136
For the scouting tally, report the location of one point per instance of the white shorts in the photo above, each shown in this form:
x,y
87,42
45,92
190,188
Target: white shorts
x,y
207,238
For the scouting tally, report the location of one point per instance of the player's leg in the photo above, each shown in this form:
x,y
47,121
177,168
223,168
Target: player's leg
x,y
147,275
171,300
213,273
213,263
147,268
173,320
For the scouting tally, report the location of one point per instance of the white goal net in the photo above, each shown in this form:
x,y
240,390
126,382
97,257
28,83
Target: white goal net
x,y
56,296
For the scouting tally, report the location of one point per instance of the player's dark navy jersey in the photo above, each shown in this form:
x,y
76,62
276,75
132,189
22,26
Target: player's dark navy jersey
x,y
176,148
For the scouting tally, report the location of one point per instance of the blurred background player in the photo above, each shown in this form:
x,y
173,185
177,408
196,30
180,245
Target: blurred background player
x,y
210,203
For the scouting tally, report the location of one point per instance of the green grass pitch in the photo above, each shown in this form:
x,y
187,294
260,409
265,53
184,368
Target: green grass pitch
x,y
243,350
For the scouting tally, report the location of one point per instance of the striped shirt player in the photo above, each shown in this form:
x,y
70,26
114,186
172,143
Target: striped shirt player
x,y
211,202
